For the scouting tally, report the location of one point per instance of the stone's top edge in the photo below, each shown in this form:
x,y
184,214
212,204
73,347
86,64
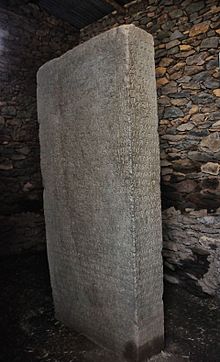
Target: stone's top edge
x,y
127,30
132,28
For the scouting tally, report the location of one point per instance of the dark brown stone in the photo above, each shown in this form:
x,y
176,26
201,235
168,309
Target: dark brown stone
x,y
186,186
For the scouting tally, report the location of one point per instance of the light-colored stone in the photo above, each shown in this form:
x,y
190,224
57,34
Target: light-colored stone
x,y
176,35
216,92
197,59
185,47
185,127
166,178
172,44
211,168
176,67
162,81
171,279
194,109
176,75
199,28
164,100
97,110
199,213
166,62
160,71
211,142
179,101
198,118
173,137
185,54
216,125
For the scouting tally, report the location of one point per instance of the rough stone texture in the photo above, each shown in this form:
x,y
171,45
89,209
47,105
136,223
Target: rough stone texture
x,y
186,36
28,38
101,172
192,249
183,154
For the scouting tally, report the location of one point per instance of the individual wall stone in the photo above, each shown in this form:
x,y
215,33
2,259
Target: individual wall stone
x,y
28,37
100,165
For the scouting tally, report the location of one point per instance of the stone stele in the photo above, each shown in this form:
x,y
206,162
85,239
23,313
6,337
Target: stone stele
x,y
98,120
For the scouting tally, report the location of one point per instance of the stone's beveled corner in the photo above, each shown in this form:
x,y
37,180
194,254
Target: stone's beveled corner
x,y
131,29
101,170
128,29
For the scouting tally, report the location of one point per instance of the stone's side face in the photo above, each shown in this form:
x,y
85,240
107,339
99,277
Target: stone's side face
x,y
100,164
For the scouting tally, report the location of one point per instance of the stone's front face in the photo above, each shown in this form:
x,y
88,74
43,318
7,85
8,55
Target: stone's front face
x,y
100,165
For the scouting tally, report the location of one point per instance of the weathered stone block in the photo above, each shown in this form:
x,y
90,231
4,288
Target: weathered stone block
x,y
100,164
199,28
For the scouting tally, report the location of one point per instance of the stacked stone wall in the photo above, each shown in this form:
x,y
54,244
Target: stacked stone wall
x,y
28,38
186,35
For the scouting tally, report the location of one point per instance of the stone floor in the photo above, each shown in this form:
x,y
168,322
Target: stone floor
x,y
30,333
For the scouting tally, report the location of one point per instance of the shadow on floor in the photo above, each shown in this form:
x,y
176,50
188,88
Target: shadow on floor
x,y
30,333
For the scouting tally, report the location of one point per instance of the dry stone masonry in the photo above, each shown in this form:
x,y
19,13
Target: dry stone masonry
x,y
192,249
187,46
28,38
186,35
100,164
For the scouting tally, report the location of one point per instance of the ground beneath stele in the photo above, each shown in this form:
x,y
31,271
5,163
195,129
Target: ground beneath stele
x,y
29,331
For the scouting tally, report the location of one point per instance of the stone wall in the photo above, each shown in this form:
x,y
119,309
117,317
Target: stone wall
x,y
192,249
28,38
186,35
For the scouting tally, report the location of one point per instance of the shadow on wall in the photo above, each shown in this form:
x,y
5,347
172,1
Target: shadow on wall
x,y
28,38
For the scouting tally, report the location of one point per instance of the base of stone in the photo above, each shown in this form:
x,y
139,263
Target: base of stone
x,y
139,354
131,352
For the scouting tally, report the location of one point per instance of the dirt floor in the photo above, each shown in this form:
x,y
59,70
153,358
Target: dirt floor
x,y
30,333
